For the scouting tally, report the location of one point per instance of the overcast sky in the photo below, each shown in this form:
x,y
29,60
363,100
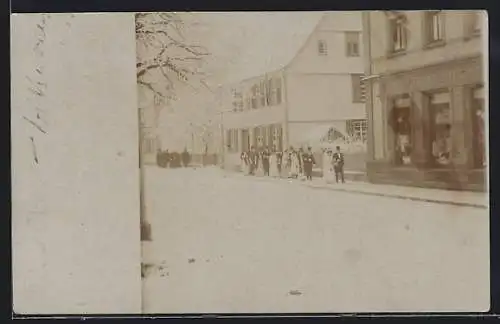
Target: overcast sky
x,y
243,45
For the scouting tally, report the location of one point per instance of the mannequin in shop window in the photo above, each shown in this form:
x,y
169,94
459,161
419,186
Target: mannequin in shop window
x,y
403,144
441,147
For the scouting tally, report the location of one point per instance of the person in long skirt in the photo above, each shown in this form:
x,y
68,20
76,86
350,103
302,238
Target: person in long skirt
x,y
300,157
272,164
278,158
244,162
328,173
285,163
294,164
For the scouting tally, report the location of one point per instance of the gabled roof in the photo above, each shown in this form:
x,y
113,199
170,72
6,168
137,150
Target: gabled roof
x,y
270,40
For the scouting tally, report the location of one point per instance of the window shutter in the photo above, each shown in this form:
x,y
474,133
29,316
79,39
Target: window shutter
x,y
362,86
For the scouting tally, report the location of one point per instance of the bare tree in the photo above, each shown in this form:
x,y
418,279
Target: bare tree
x,y
163,50
165,59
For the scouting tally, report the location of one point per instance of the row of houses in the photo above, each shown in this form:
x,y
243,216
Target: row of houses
x,y
313,92
407,84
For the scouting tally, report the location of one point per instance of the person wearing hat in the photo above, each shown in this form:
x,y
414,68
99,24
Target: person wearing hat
x,y
308,162
266,160
252,160
338,165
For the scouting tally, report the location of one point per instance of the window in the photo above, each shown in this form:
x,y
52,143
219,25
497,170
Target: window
x,y
322,49
269,92
352,43
149,145
255,96
245,137
237,100
402,129
440,113
268,136
398,34
357,129
277,137
273,91
277,90
248,101
478,130
158,100
258,138
262,93
232,140
434,24
358,88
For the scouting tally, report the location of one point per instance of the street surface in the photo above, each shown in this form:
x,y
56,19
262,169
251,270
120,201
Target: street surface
x,y
227,243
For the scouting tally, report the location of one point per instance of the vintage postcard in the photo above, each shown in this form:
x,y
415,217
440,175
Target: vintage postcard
x,y
250,162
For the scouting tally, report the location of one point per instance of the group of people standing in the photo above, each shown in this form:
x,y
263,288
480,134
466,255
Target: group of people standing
x,y
293,163
166,159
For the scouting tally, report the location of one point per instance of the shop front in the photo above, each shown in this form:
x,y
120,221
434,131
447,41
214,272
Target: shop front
x,y
434,134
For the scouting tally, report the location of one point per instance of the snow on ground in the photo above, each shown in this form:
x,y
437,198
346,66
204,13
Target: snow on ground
x,y
232,244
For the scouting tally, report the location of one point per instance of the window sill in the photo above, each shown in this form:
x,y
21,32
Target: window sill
x,y
434,44
398,53
472,36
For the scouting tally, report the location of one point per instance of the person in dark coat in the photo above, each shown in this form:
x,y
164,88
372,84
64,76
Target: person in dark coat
x,y
159,161
166,157
338,165
252,160
185,157
175,160
308,162
265,161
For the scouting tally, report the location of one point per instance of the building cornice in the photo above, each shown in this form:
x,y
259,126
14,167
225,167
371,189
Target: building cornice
x,y
432,66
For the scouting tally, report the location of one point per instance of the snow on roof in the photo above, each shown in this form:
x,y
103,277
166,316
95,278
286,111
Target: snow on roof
x,y
249,44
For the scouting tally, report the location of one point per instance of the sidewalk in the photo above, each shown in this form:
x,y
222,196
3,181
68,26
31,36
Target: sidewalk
x,y
457,198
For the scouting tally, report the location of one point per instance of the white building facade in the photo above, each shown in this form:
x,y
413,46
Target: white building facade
x,y
317,93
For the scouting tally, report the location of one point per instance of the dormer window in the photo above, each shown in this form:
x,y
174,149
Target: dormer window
x,y
352,44
322,49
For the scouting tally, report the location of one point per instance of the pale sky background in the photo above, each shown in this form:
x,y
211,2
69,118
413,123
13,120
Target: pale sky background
x,y
246,44
242,45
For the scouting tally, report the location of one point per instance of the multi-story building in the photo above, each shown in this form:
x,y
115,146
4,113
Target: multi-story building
x,y
314,91
426,98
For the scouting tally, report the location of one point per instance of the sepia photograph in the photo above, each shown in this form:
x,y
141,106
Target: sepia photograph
x,y
250,162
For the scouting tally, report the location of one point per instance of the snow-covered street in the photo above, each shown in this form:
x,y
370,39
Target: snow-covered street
x,y
227,243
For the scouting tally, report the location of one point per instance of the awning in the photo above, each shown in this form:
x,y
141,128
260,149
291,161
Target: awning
x,y
318,134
